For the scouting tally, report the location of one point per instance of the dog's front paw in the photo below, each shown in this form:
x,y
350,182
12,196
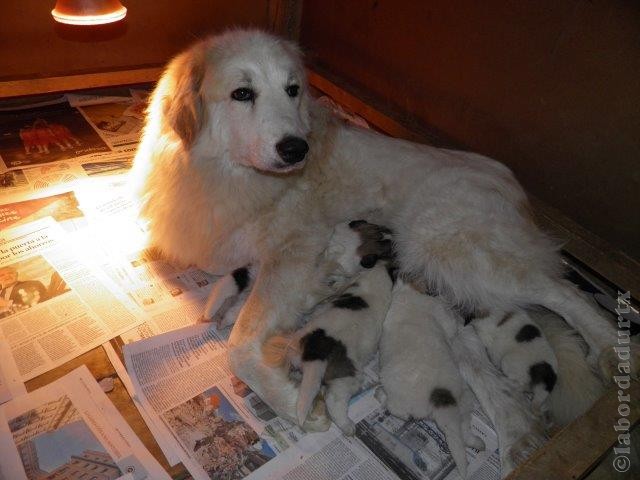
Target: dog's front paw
x,y
620,360
348,428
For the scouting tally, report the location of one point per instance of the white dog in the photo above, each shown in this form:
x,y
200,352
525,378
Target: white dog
x,y
516,345
418,372
237,165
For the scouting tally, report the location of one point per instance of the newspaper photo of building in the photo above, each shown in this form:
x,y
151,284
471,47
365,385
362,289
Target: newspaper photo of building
x,y
414,450
210,428
54,442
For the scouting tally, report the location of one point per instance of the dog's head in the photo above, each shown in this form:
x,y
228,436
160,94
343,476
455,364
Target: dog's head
x,y
242,96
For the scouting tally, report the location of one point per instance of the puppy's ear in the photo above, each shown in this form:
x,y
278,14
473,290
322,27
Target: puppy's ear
x,y
184,103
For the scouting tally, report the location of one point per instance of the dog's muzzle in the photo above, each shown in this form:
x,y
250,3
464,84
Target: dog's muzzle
x,y
292,149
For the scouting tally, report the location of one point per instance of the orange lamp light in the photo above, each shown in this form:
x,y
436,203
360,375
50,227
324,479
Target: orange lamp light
x,y
88,12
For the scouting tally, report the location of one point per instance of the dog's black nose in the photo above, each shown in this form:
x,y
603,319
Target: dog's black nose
x,y
292,149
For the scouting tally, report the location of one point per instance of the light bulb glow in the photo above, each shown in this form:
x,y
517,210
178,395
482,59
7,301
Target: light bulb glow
x,y
89,19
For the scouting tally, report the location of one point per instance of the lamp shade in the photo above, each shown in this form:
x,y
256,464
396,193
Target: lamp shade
x,y
88,12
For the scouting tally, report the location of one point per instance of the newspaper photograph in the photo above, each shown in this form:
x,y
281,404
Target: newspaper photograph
x,y
43,134
118,123
11,385
53,305
63,208
69,428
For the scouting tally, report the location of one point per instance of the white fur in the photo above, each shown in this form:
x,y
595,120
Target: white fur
x,y
357,329
415,359
516,358
578,386
217,196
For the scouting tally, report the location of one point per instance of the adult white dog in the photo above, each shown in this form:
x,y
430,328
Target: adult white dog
x,y
237,166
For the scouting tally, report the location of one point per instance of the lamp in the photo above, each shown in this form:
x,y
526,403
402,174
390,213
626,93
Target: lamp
x,y
88,12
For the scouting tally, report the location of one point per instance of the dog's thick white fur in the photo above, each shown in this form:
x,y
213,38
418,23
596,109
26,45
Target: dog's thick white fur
x,y
335,345
517,346
218,195
418,372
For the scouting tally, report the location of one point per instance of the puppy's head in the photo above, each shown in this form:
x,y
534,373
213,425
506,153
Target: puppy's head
x,y
241,96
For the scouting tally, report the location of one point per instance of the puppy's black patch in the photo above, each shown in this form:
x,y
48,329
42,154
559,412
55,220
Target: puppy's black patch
x,y
392,271
350,302
317,345
369,260
527,333
356,223
442,397
505,319
468,314
543,373
241,277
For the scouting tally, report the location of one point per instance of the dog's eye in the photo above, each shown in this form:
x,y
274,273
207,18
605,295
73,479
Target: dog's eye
x,y
292,90
243,95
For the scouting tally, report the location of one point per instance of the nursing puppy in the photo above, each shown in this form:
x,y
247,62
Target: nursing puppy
x,y
418,372
517,346
339,340
352,247
238,165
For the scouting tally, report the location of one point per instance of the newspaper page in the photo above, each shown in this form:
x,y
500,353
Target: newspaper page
x,y
63,208
53,306
183,380
11,385
34,135
69,428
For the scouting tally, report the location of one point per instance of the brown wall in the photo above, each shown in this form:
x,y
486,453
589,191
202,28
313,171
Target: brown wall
x,y
550,87
33,45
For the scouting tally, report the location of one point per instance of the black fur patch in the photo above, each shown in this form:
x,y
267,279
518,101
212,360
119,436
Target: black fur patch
x,y
350,301
469,315
543,373
442,397
241,277
356,223
369,260
505,319
527,333
317,345
392,271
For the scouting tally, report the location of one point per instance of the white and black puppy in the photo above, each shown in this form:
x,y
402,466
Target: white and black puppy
x,y
418,372
518,347
335,345
353,246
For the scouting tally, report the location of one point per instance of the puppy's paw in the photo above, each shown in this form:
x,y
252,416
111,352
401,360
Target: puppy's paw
x,y
625,360
348,428
317,420
524,447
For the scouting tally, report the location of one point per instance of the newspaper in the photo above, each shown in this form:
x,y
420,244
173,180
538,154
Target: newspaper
x,y
41,134
222,429
63,208
69,428
10,384
53,305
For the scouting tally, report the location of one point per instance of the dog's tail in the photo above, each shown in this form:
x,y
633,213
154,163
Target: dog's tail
x,y
449,421
578,386
281,350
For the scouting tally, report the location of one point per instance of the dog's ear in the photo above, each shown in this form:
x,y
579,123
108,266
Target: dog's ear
x,y
184,106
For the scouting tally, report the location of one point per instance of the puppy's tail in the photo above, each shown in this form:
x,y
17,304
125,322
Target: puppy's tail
x,y
578,386
312,374
281,350
449,421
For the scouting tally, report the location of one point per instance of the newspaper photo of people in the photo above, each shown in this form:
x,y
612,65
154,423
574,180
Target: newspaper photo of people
x,y
54,441
43,134
215,434
27,283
